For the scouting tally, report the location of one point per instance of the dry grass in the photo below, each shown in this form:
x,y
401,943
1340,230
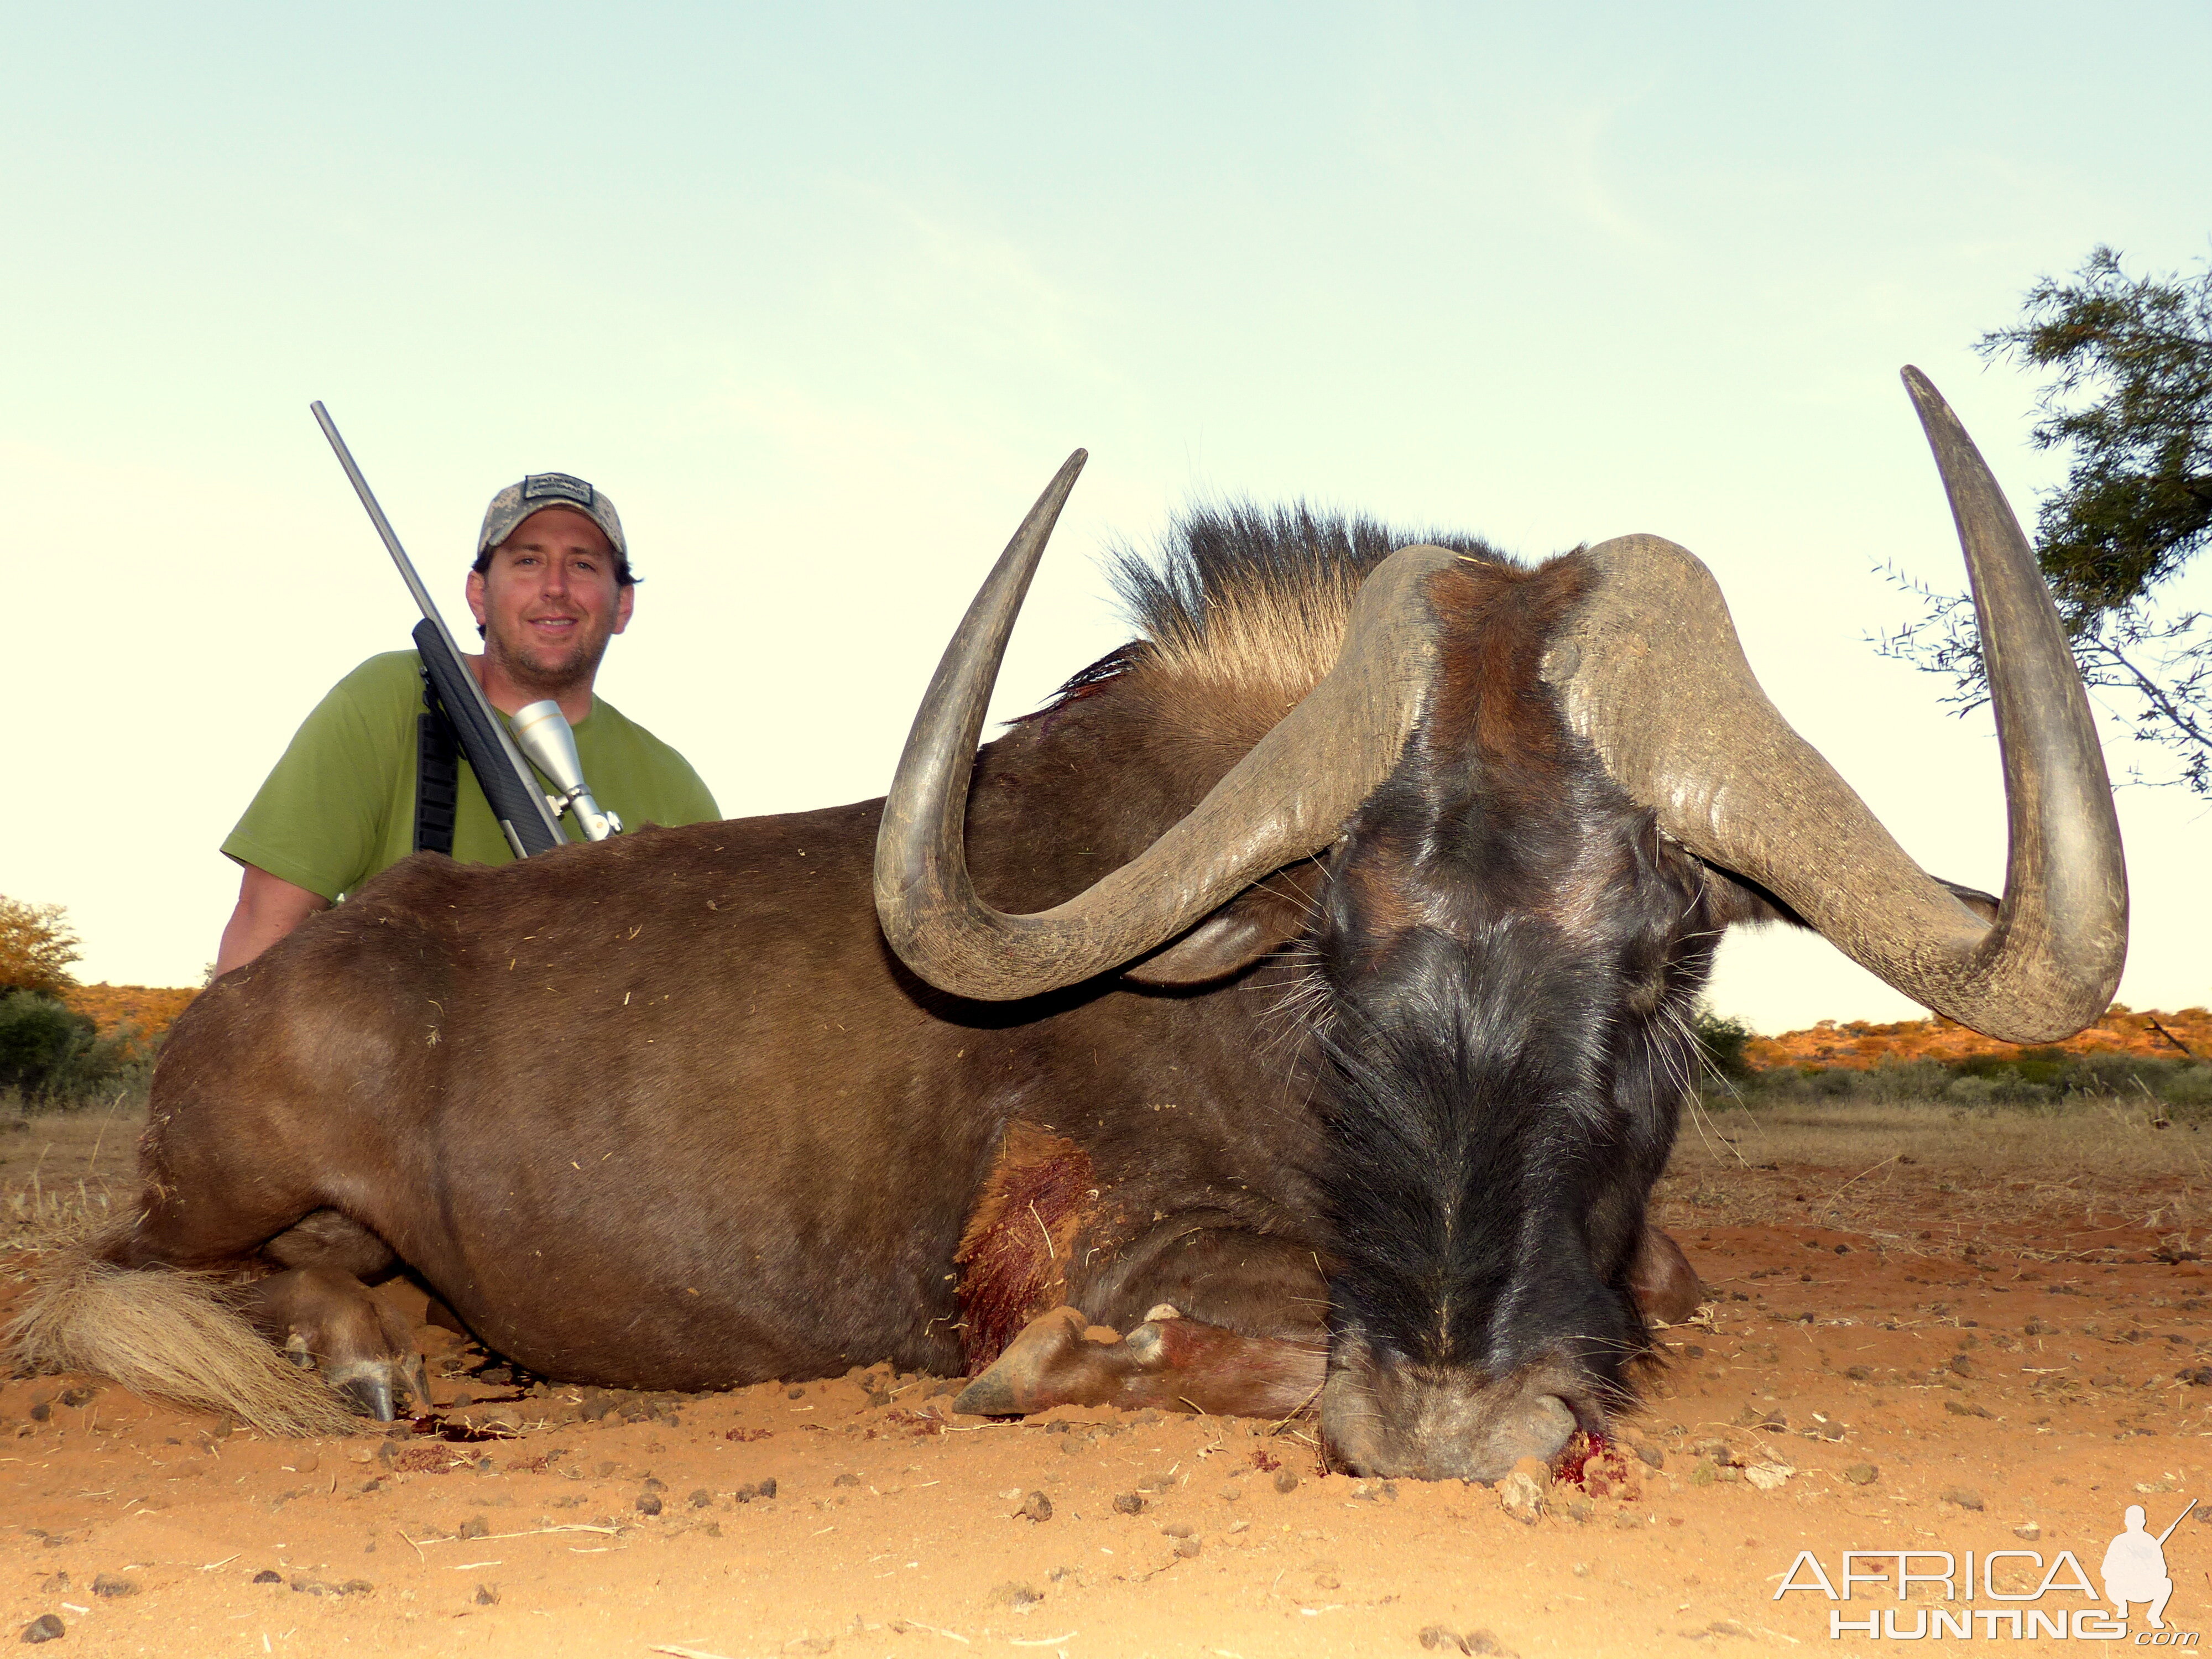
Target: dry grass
x,y
64,1173
1929,1178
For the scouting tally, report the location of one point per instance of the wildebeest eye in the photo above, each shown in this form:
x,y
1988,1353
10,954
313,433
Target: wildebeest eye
x,y
1646,991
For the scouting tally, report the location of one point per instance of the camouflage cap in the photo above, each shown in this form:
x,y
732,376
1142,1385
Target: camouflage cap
x,y
539,491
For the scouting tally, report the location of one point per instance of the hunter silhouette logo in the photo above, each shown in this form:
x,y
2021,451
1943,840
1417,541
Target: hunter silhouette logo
x,y
2134,1572
2135,1566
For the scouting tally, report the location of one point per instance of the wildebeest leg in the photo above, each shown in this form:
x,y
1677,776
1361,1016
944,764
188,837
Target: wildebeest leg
x,y
1662,1279
326,1321
1213,1271
1170,1362
214,1197
325,1238
318,1310
1179,1363
324,1318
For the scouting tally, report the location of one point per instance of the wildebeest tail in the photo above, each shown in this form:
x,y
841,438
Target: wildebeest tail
x,y
167,1333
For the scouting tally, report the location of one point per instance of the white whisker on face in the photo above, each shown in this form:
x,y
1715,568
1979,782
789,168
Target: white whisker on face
x,y
1280,885
1301,1006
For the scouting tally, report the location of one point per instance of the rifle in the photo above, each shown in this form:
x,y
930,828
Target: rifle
x,y
546,736
520,806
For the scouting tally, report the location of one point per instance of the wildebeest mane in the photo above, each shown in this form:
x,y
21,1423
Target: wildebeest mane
x,y
1238,595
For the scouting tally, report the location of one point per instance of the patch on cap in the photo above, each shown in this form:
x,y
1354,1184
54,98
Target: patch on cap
x,y
556,487
541,491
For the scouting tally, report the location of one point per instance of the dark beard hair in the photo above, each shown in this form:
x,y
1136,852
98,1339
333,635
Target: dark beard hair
x,y
585,669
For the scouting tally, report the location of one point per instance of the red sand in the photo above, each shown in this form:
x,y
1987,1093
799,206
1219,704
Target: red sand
x,y
2037,1383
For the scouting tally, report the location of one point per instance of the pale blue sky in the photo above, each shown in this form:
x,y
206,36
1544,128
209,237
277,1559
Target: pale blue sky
x,y
821,297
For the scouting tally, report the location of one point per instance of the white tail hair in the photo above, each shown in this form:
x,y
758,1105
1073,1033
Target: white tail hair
x,y
168,1333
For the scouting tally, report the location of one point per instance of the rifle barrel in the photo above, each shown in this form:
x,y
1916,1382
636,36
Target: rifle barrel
x,y
508,805
376,517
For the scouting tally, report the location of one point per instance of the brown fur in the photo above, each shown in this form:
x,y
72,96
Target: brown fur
x,y
1271,640
1221,680
1490,699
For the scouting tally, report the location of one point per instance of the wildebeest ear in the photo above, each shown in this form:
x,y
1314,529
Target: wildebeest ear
x,y
1736,899
1257,920
1983,905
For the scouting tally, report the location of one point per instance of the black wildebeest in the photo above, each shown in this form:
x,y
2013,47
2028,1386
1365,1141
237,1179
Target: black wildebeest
x,y
1300,998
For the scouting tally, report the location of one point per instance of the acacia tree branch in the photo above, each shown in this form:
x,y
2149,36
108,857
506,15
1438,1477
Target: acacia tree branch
x,y
2126,363
2174,712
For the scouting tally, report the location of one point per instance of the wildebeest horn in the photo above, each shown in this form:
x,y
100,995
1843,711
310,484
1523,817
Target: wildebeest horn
x,y
1651,673
1286,799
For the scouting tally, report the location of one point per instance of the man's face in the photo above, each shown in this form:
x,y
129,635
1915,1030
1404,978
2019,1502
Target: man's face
x,y
549,602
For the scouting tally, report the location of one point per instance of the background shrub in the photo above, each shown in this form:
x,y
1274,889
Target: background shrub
x,y
52,1057
37,1036
1724,1039
2030,1078
2188,1086
36,948
1971,1088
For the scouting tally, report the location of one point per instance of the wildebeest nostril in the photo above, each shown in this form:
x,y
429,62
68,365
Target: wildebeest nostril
x,y
1545,1431
1403,1421
1541,1430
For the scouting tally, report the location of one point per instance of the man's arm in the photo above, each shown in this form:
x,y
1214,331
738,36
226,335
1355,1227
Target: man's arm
x,y
269,907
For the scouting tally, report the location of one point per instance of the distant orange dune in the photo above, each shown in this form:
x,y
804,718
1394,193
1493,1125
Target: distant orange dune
x,y
151,1008
1854,1044
1858,1044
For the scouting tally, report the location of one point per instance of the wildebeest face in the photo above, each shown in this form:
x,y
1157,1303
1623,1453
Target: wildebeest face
x,y
1510,972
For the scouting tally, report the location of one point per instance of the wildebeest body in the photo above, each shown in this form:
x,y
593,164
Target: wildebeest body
x,y
1333,946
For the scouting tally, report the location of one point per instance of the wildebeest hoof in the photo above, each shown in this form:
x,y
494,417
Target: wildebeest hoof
x,y
326,1321
989,1395
1021,1379
378,1389
1164,1311
1147,1344
370,1394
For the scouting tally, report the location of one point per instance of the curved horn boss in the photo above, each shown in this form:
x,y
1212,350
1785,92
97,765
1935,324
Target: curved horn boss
x,y
1651,674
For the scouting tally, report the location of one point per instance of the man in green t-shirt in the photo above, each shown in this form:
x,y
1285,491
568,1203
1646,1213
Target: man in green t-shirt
x,y
551,584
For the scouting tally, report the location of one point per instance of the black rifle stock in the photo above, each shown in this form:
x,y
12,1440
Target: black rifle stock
x,y
480,732
508,784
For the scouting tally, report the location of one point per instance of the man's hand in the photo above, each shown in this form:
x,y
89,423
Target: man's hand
x,y
269,907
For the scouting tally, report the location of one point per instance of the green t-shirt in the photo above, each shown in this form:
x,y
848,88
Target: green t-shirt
x,y
340,805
